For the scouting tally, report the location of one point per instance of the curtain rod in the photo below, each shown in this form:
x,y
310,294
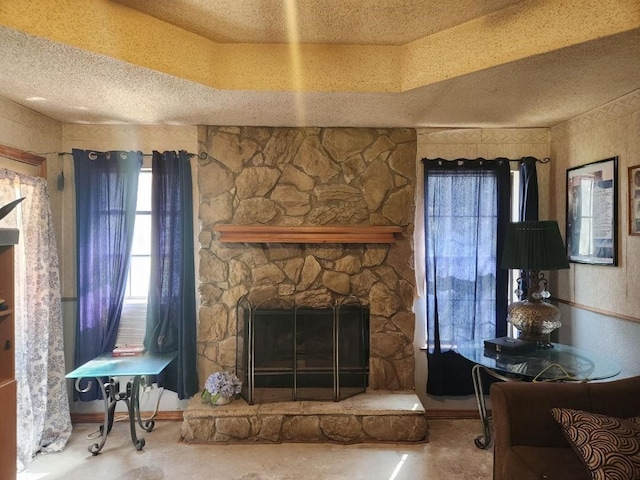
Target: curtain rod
x,y
205,155
201,156
539,160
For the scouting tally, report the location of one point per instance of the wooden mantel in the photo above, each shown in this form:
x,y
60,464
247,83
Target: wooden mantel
x,y
306,234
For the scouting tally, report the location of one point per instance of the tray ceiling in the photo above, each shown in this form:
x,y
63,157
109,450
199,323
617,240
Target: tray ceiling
x,y
388,63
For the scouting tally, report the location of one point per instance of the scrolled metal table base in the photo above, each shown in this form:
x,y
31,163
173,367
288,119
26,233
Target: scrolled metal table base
x,y
111,395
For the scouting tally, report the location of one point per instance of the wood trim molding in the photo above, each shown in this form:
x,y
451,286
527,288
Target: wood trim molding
x,y
306,234
452,414
25,157
597,310
177,415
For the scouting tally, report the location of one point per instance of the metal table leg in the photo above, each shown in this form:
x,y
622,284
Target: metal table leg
x,y
130,397
149,424
483,441
109,407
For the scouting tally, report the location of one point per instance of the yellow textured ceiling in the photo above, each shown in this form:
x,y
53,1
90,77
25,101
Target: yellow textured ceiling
x,y
522,29
343,22
466,63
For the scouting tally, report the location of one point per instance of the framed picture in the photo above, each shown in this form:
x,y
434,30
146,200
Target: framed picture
x,y
592,213
634,200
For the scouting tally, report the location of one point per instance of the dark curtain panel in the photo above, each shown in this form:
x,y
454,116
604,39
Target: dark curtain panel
x,y
466,215
106,191
171,312
528,190
528,204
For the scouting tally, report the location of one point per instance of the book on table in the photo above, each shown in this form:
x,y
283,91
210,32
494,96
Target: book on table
x,y
128,350
508,345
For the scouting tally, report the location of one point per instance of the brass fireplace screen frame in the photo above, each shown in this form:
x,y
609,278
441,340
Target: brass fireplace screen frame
x,y
344,375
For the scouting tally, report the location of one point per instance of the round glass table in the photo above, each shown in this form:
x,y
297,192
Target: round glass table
x,y
560,363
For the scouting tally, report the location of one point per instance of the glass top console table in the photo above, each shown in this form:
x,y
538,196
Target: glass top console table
x,y
560,363
106,366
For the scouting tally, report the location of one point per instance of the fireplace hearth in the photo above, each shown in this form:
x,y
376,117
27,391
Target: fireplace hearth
x,y
287,352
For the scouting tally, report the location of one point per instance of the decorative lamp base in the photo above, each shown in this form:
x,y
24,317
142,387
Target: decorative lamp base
x,y
535,320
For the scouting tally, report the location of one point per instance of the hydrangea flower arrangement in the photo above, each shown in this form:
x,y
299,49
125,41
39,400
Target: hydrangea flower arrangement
x,y
220,385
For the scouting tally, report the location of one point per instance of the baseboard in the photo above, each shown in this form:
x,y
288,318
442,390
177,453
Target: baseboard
x,y
170,416
452,414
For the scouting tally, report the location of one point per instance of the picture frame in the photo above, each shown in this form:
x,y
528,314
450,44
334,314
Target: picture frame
x,y
592,213
634,200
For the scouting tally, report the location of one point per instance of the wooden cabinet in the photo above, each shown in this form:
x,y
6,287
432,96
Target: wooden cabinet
x,y
7,367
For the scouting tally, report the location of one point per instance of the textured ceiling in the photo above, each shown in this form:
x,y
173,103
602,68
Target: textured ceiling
x,y
355,22
377,63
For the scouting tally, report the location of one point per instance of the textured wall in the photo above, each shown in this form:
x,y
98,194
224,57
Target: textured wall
x,y
23,129
309,176
513,143
611,130
145,138
452,143
602,302
26,130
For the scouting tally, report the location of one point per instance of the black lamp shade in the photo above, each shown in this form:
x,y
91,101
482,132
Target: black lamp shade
x,y
534,246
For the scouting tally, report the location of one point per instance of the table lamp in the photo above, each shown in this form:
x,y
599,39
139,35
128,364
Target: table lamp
x,y
532,247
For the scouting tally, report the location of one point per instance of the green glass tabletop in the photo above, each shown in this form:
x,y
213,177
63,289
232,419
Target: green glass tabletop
x,y
106,365
563,362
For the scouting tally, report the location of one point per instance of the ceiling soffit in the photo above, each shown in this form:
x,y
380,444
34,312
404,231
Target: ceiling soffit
x,y
516,32
336,22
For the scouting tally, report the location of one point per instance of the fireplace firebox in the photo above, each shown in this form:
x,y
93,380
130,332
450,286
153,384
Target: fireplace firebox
x,y
286,352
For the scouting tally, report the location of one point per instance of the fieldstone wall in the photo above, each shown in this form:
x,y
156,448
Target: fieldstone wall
x,y
309,176
322,428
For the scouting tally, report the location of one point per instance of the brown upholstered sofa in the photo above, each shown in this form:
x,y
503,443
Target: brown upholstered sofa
x,y
529,443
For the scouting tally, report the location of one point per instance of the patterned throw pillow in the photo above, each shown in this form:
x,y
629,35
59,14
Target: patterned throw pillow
x,y
608,446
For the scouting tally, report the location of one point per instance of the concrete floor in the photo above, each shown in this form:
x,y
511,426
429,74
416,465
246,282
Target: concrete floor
x,y
450,454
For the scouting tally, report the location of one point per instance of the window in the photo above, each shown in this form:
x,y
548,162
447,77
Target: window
x,y
461,221
134,310
514,217
467,209
514,274
587,221
515,213
461,230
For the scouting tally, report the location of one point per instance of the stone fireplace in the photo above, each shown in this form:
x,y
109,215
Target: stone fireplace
x,y
317,177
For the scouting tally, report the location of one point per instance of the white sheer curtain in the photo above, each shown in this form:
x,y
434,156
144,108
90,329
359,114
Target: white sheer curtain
x,y
44,422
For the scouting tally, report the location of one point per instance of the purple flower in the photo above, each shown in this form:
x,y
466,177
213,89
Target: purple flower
x,y
223,384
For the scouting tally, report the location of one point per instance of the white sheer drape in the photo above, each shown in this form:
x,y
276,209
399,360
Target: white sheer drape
x,y
44,422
